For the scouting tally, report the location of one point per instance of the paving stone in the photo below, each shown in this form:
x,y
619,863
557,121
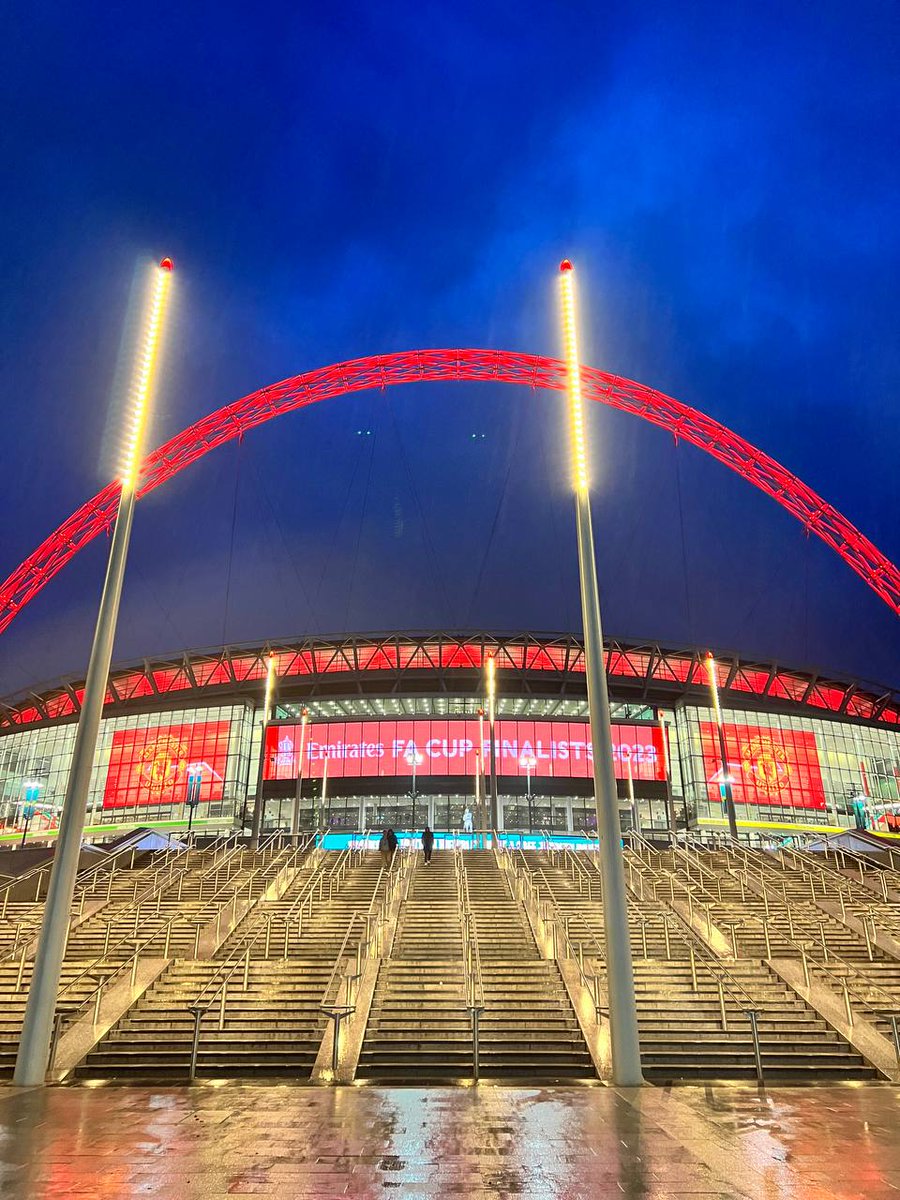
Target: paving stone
x,y
207,1143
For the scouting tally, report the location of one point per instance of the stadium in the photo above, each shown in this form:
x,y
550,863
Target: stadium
x,y
390,734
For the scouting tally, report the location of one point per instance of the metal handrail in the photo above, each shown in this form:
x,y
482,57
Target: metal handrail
x,y
132,959
372,931
549,913
673,921
473,984
807,959
230,965
206,999
873,869
725,980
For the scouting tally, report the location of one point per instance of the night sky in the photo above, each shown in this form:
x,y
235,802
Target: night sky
x,y
341,180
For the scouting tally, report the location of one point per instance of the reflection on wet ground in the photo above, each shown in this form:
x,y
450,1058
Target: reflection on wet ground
x,y
241,1140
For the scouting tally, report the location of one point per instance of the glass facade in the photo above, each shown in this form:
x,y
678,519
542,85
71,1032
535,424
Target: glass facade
x,y
791,769
146,767
784,769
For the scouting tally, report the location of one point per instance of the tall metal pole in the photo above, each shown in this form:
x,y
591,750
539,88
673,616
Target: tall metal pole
x,y
667,768
625,1043
480,811
260,804
295,815
491,668
529,762
37,1028
720,727
322,812
635,815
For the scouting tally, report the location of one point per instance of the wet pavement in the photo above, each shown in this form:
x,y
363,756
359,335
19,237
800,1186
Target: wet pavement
x,y
241,1140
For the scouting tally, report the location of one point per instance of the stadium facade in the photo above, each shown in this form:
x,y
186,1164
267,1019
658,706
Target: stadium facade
x,y
393,736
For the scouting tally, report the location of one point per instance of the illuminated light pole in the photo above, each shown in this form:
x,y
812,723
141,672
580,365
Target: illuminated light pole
x,y
626,1050
414,758
667,771
260,805
491,670
727,793
529,762
295,815
635,815
32,792
37,1027
482,792
322,801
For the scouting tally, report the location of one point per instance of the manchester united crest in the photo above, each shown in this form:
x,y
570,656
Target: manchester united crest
x,y
766,763
164,761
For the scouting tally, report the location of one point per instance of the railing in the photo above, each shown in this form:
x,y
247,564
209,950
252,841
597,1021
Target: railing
x,y
473,985
866,868
369,943
69,1011
861,982
726,983
215,990
557,927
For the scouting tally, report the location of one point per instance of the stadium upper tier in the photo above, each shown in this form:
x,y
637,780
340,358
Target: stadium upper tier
x,y
447,663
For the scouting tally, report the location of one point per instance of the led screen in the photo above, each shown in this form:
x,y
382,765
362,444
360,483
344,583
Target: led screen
x,y
159,765
766,766
560,749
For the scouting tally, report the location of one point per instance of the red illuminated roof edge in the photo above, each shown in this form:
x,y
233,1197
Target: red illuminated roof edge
x,y
636,662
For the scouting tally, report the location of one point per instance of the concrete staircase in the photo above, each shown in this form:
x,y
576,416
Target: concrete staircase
x,y
420,1029
683,1036
274,1025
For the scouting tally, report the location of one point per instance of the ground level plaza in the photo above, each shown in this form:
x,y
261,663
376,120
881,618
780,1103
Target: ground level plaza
x,y
181,1143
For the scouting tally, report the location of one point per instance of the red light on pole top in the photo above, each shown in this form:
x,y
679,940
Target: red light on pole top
x,y
566,265
166,264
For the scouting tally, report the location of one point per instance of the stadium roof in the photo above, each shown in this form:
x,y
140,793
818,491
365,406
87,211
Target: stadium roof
x,y
446,662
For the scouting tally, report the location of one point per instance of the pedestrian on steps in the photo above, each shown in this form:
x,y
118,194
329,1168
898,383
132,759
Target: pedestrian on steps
x,y
387,846
427,844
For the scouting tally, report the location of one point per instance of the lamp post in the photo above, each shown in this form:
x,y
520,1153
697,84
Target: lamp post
x,y
32,792
727,793
414,758
482,792
40,1010
295,815
528,762
323,814
635,815
192,799
626,1051
260,805
491,681
667,770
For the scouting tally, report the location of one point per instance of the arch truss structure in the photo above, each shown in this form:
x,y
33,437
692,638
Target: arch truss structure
x,y
422,366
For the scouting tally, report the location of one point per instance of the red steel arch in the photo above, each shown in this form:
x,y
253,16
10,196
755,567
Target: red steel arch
x,y
420,366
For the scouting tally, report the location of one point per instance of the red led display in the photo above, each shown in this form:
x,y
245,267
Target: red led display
x,y
560,749
152,766
766,766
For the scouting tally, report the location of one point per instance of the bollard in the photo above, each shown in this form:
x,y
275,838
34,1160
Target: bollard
x,y
195,1043
21,967
896,1033
753,1017
57,1026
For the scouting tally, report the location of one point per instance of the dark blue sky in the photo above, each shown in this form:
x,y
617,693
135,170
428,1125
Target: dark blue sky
x,y
334,181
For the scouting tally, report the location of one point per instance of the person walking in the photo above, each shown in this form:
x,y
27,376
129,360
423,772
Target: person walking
x,y
427,845
387,846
